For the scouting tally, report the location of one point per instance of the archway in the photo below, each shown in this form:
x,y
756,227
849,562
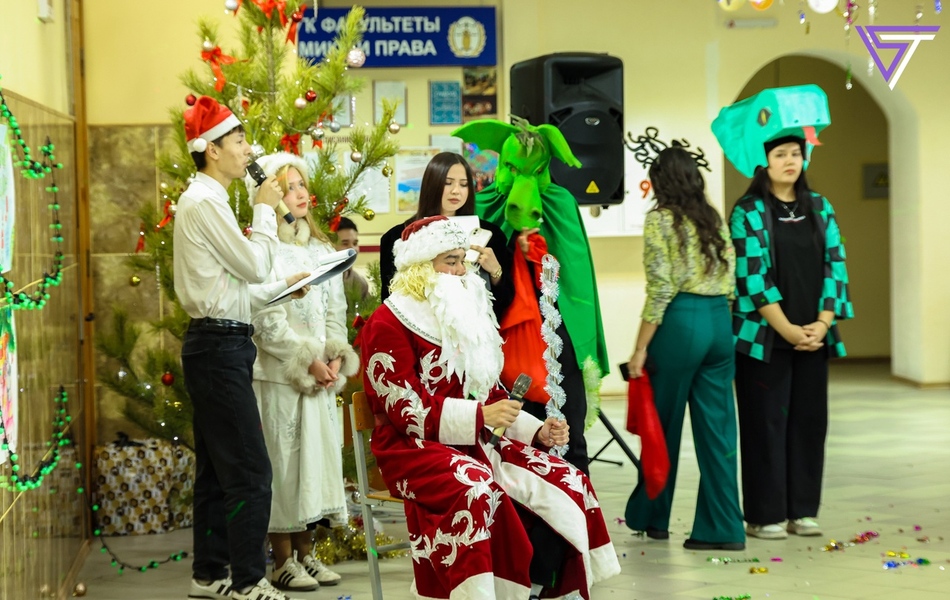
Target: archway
x,y
855,147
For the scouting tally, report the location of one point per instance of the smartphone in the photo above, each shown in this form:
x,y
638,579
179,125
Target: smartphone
x,y
478,237
624,371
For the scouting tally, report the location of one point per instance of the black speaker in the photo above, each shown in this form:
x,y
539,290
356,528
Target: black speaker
x,y
581,93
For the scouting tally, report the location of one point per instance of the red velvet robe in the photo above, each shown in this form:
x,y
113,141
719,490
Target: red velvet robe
x,y
467,539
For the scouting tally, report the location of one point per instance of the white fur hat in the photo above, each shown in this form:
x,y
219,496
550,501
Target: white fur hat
x,y
427,238
271,164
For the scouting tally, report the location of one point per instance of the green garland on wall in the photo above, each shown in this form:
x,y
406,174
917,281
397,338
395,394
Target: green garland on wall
x,y
33,169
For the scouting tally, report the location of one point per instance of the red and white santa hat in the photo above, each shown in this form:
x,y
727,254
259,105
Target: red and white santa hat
x,y
206,121
427,238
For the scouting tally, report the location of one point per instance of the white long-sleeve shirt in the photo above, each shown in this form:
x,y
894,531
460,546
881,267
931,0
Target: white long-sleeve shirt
x,y
214,263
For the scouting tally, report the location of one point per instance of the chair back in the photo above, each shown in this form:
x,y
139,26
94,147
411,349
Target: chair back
x,y
362,413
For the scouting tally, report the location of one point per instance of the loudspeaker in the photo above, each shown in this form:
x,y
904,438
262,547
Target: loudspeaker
x,y
581,93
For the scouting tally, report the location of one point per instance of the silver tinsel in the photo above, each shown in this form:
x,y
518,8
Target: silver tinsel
x,y
550,271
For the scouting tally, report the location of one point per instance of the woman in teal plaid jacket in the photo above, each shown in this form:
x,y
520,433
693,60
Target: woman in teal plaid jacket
x,y
791,287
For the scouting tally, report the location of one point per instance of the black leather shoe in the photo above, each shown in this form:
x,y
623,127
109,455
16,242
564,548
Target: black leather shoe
x,y
657,534
692,544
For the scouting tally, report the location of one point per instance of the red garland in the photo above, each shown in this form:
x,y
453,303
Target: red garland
x,y
291,143
215,57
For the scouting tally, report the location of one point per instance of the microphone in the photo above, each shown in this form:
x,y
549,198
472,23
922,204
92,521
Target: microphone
x,y
518,389
258,175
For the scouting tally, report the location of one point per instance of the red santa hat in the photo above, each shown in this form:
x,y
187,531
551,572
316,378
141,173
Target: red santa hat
x,y
206,121
427,238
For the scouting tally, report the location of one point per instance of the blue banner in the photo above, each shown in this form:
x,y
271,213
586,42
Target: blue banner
x,y
408,37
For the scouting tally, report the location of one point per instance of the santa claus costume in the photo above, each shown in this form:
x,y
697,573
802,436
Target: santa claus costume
x,y
432,357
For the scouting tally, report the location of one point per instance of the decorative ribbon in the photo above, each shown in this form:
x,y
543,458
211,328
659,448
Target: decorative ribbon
x,y
335,223
291,143
215,57
267,7
166,218
140,245
358,322
292,32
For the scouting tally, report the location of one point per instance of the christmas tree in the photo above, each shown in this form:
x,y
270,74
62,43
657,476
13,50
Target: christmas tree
x,y
286,104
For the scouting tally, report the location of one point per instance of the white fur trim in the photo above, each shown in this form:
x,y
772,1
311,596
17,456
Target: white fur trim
x,y
350,365
480,587
229,123
457,423
524,428
296,233
297,368
427,243
271,164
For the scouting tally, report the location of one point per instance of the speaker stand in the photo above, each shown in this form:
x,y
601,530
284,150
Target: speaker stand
x,y
615,437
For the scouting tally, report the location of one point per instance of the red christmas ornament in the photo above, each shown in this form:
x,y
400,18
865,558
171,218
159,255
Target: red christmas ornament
x,y
248,231
313,200
190,99
310,95
297,16
168,378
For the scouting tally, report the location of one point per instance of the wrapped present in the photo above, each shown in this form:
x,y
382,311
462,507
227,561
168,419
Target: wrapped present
x,y
143,486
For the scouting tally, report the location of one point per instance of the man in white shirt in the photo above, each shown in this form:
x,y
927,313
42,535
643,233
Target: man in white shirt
x,y
214,265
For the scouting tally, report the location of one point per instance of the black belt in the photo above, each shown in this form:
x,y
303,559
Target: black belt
x,y
225,326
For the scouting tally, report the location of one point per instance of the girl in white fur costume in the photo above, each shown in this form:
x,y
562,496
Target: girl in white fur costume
x,y
302,363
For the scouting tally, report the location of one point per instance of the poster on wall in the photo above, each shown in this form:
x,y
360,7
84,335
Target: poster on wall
x,y
394,91
7,205
373,187
8,381
410,165
445,103
483,163
479,93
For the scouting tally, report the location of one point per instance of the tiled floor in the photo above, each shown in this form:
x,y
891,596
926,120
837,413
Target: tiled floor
x,y
887,471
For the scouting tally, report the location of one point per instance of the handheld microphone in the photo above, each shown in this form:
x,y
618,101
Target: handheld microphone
x,y
258,175
518,389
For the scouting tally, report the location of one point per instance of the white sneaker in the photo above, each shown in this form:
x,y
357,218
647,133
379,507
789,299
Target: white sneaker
x,y
262,591
293,577
805,526
319,571
216,590
773,531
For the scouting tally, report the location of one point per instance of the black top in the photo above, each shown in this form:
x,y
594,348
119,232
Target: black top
x,y
503,293
799,263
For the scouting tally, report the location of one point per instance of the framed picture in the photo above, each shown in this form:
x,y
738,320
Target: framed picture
x,y
390,90
410,165
445,103
344,116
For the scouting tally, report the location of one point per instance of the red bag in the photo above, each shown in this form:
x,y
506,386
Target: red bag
x,y
643,420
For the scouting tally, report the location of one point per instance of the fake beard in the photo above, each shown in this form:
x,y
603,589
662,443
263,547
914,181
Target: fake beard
x,y
471,345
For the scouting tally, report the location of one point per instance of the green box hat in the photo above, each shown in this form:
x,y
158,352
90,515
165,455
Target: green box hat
x,y
743,128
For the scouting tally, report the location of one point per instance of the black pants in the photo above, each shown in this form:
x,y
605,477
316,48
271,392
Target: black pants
x,y
783,421
233,481
575,404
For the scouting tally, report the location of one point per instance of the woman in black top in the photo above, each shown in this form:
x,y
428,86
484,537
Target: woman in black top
x,y
447,190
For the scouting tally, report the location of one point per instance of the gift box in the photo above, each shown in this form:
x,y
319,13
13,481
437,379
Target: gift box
x,y
143,486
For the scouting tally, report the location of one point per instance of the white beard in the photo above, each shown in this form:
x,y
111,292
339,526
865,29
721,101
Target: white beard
x,y
471,344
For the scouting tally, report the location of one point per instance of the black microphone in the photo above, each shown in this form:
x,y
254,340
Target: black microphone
x,y
258,175
518,389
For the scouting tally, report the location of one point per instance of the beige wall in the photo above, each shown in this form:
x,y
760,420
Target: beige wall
x,y
681,66
33,55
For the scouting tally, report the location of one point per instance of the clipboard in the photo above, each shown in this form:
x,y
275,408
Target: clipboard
x,y
331,265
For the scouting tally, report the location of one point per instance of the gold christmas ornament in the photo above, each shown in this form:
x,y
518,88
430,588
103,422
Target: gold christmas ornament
x,y
317,133
369,214
387,171
393,127
80,589
356,156
135,280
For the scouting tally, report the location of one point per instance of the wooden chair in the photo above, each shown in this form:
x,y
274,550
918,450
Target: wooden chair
x,y
363,421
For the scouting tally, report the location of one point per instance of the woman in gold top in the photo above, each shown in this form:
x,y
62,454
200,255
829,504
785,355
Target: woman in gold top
x,y
685,343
